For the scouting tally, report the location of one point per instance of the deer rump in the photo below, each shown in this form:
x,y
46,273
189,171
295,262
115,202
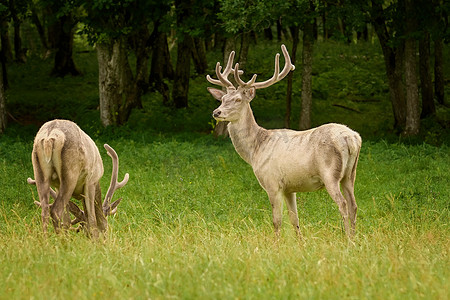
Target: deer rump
x,y
66,158
59,156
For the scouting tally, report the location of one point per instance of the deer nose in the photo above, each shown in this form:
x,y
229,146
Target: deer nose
x,y
216,113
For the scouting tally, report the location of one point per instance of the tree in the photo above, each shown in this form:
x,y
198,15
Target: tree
x,y
117,27
62,19
161,64
393,52
304,20
439,32
295,40
412,93
308,41
3,115
17,9
426,84
184,48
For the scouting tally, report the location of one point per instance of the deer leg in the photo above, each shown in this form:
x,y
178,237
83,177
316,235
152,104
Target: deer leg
x,y
291,203
276,200
60,210
89,200
335,193
43,189
348,189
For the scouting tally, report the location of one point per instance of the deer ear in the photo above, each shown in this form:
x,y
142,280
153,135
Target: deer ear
x,y
251,93
218,94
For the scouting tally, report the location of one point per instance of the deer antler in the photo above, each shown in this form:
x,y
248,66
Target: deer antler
x,y
108,208
223,77
277,76
73,208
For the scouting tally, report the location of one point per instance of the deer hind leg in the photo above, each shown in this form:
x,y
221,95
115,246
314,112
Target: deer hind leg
x,y
42,175
335,193
291,203
43,189
348,189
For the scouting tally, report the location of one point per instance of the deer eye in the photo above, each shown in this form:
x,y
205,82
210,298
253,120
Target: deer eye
x,y
237,100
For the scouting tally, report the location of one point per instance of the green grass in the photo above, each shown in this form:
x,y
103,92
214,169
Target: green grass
x,y
194,222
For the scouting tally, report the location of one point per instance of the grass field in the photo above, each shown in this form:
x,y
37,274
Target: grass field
x,y
194,222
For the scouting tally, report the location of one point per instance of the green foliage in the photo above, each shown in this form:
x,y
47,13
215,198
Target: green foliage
x,y
243,15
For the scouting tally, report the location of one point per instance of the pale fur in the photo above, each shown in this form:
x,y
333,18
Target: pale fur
x,y
66,158
287,161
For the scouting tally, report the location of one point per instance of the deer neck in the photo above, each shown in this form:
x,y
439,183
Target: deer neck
x,y
244,134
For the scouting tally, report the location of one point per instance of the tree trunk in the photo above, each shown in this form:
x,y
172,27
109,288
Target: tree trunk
x,y
6,44
64,63
393,59
426,83
161,65
111,92
268,35
245,46
3,115
184,49
40,30
199,56
412,91
279,30
182,72
295,41
439,70
324,23
18,49
4,75
305,113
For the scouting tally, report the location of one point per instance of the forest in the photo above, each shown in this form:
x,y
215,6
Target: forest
x,y
193,221
141,47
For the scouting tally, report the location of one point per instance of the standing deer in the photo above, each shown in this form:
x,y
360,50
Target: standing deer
x,y
65,157
287,161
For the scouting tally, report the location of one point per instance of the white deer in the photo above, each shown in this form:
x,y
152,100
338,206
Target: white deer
x,y
66,158
287,161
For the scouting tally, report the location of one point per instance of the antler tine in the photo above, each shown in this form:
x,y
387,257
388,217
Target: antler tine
x,y
223,77
114,185
277,76
33,182
238,79
73,208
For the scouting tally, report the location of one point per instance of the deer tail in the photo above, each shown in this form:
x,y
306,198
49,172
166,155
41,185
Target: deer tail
x,y
48,149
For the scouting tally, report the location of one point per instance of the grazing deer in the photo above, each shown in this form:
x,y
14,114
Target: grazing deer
x,y
287,161
65,157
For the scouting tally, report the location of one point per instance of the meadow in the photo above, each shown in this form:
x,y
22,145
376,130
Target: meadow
x,y
194,222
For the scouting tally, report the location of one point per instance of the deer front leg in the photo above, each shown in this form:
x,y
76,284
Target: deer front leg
x,y
89,200
276,200
291,203
102,223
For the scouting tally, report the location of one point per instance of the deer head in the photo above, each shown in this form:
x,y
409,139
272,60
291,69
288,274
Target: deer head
x,y
234,98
